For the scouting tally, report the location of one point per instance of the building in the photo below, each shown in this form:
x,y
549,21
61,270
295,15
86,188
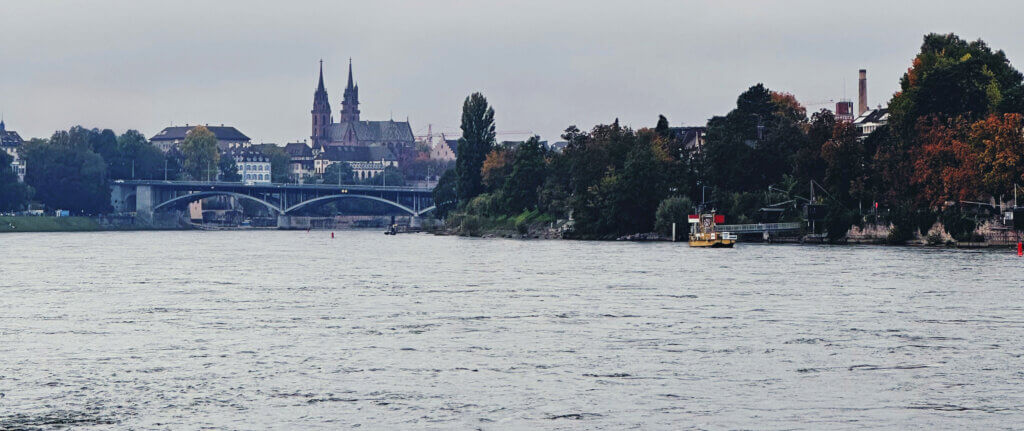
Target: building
x,y
444,149
10,141
440,146
366,162
351,130
558,146
870,120
844,111
300,163
253,166
227,137
691,137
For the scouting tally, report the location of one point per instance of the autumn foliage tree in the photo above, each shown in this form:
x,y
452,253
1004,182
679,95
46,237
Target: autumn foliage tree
x,y
945,164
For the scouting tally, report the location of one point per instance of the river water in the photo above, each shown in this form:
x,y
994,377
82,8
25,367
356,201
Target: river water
x,y
295,330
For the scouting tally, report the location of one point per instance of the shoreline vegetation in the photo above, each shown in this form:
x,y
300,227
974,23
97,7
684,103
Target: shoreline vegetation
x,y
939,165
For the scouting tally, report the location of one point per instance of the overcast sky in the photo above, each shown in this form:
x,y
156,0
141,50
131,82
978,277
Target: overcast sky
x,y
542,64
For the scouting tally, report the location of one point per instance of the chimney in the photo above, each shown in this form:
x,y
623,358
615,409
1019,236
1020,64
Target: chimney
x,y
862,93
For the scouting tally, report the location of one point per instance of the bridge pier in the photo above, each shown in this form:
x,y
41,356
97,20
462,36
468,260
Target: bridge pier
x,y
415,222
292,222
144,203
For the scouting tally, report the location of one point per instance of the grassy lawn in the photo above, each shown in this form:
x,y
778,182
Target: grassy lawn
x,y
47,224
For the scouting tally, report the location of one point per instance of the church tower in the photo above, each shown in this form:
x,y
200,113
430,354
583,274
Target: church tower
x,y
321,112
350,104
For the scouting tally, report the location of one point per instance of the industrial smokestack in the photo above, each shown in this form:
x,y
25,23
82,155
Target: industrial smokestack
x,y
862,93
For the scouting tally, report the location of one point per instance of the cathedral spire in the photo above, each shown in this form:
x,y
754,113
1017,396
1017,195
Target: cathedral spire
x,y
350,101
320,87
350,72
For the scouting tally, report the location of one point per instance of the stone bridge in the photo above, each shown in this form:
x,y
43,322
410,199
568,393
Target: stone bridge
x,y
147,197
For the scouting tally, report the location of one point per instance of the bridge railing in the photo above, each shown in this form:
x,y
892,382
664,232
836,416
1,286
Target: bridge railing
x,y
758,227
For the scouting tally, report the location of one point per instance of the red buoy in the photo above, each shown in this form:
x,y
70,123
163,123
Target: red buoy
x,y
332,235
1020,249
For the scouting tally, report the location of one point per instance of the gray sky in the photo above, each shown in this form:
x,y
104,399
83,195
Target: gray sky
x,y
542,64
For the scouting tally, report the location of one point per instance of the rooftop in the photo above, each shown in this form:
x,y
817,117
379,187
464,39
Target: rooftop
x,y
177,133
354,153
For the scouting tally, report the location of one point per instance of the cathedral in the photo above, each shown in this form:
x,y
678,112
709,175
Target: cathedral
x,y
350,130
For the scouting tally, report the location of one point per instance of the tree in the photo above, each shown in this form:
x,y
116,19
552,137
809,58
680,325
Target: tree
x,y
662,128
391,176
445,197
951,77
496,167
13,194
625,198
527,175
676,210
808,163
758,128
135,158
338,173
279,160
476,141
844,163
945,167
1000,144
228,168
200,153
66,174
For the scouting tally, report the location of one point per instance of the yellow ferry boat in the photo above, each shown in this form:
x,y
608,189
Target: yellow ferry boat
x,y
702,231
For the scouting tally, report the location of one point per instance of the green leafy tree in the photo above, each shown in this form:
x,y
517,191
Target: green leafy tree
x,y
676,209
391,176
279,160
527,176
756,144
476,141
844,160
951,77
338,173
200,153
135,158
66,174
228,168
445,197
13,194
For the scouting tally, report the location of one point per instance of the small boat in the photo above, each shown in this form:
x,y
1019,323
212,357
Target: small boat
x,y
703,234
392,230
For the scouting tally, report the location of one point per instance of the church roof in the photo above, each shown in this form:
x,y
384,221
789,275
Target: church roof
x,y
453,144
9,138
223,133
357,153
298,149
371,131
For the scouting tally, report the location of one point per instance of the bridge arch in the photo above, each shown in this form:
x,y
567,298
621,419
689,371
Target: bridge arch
x,y
426,210
348,196
200,195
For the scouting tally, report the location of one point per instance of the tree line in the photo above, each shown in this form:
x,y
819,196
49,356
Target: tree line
x,y
954,140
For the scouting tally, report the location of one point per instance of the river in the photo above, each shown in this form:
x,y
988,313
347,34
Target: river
x,y
296,330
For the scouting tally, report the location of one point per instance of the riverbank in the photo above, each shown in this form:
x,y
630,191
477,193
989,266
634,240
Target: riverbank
x,y
529,224
48,224
75,224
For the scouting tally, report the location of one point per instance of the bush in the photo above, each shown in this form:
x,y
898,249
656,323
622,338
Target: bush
x,y
904,223
487,205
672,210
925,220
838,222
958,225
